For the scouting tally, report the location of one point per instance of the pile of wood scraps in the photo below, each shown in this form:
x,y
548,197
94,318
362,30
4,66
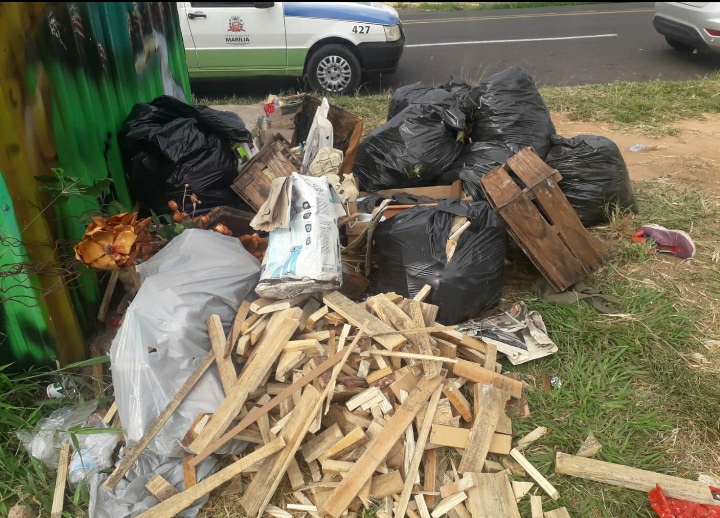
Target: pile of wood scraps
x,y
356,404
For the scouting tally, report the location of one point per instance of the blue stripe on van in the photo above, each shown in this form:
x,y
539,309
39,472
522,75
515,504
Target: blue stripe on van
x,y
340,11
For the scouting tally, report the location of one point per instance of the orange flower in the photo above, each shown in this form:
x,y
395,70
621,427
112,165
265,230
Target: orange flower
x,y
113,243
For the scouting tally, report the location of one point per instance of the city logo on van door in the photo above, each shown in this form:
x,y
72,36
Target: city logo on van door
x,y
236,26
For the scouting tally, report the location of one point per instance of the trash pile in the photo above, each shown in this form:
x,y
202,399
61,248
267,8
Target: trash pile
x,y
308,337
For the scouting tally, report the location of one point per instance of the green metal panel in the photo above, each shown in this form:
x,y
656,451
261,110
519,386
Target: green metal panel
x,y
78,68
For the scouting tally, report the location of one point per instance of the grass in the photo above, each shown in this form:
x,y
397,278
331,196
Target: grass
x,y
482,6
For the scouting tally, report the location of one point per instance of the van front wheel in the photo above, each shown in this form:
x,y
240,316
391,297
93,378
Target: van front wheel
x,y
333,69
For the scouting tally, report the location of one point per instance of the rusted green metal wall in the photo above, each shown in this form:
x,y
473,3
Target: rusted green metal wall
x,y
69,74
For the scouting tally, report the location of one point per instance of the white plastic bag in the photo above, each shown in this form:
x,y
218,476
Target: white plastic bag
x,y
305,257
320,135
164,336
95,453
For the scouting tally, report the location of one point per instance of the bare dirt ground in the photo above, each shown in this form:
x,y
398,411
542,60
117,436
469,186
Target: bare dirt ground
x,y
693,155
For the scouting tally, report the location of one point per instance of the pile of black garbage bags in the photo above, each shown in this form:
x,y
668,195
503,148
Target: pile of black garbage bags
x,y
435,136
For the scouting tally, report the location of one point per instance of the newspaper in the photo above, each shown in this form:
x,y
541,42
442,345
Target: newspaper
x,y
518,333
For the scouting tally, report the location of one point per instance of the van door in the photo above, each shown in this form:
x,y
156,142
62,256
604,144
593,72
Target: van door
x,y
245,37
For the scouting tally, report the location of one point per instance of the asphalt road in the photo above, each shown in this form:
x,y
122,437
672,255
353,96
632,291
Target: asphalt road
x,y
573,45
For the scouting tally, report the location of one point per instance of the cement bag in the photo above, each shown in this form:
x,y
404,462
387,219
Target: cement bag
x,y
411,150
164,336
305,256
512,111
476,160
594,176
410,252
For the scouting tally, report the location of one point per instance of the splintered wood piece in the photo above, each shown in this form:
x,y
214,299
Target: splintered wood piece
x,y
380,447
235,333
336,467
490,402
228,376
491,466
348,443
60,482
379,374
422,341
429,476
469,481
386,485
557,513
336,370
449,436
458,338
520,489
315,317
280,328
310,307
161,488
265,306
356,316
318,445
110,414
422,507
127,462
268,477
414,466
287,362
295,475
459,511
423,293
448,503
307,344
536,506
243,346
405,379
492,497
539,479
457,400
185,499
633,478
590,447
490,356
189,475
478,374
248,324
530,438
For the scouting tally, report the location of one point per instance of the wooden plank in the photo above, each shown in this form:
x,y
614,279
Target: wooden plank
x,y
458,400
248,323
500,444
536,506
490,402
491,466
378,374
499,188
189,475
531,437
356,316
268,477
557,513
429,476
235,333
520,489
127,462
590,447
380,447
307,344
314,317
295,475
386,485
108,417
469,481
280,328
422,507
318,445
176,504
478,374
161,488
492,497
490,356
448,503
348,443
422,340
228,376
310,307
58,501
449,436
539,479
423,293
633,478
414,467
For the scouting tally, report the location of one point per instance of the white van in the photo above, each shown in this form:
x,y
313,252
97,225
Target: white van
x,y
329,43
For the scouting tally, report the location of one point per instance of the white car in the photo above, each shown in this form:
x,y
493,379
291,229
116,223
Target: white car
x,y
689,25
329,43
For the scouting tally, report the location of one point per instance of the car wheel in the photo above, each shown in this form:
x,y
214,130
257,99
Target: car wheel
x,y
333,69
678,45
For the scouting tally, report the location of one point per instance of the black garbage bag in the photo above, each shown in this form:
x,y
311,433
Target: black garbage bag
x,y
420,94
466,95
167,143
411,150
410,252
475,161
513,111
594,176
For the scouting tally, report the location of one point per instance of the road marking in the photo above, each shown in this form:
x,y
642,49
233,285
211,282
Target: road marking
x,y
509,16
509,41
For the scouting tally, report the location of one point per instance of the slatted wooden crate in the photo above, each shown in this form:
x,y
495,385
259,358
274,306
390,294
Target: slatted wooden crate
x,y
542,221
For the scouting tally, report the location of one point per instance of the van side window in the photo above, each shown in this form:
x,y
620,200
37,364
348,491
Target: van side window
x,y
222,4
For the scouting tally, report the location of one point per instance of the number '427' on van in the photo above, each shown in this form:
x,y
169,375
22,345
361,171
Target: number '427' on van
x,y
329,43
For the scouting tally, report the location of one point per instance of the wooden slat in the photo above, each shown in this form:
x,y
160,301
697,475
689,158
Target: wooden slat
x,y
492,497
633,478
176,504
530,168
235,333
161,488
356,316
528,439
380,447
60,482
590,447
126,463
318,445
478,374
557,513
469,481
539,479
499,188
491,403
536,506
458,400
386,485
281,327
228,376
429,475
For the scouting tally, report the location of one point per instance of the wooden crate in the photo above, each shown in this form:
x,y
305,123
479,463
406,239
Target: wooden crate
x,y
274,160
542,221
347,129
